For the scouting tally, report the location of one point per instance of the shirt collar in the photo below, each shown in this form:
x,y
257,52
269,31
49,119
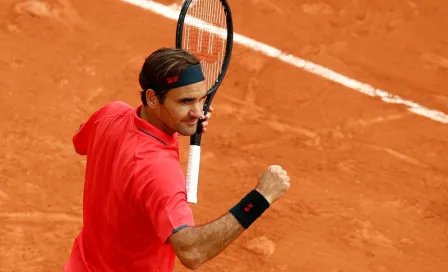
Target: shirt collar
x,y
152,131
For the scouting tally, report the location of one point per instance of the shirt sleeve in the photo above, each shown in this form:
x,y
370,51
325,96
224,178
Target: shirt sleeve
x,y
164,198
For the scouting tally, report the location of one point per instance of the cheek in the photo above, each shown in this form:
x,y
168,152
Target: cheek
x,y
177,113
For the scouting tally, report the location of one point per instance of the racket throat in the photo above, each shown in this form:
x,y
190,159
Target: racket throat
x,y
195,139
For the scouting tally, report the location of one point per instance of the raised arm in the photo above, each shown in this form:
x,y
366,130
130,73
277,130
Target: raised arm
x,y
196,245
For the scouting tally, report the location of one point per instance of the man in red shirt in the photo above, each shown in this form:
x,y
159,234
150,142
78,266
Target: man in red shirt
x,y
136,216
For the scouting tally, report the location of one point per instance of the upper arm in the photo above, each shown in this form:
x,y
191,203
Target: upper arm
x,y
182,242
164,199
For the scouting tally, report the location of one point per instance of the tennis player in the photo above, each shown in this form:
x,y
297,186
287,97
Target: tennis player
x,y
135,215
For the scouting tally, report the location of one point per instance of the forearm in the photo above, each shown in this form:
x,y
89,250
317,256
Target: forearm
x,y
212,238
196,245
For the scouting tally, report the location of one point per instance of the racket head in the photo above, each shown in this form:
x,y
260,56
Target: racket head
x,y
193,15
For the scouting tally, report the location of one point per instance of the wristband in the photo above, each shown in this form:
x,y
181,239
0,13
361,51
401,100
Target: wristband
x,y
250,208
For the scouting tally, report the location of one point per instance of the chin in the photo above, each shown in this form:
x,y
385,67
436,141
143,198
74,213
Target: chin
x,y
187,131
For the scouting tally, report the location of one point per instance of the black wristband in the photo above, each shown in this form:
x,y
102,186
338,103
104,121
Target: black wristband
x,y
250,208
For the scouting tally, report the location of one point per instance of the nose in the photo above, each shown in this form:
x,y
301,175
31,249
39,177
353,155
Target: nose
x,y
196,111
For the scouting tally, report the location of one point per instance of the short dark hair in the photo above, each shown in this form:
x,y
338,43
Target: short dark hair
x,y
163,63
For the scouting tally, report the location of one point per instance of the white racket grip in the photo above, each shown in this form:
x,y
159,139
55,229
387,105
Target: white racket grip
x,y
194,159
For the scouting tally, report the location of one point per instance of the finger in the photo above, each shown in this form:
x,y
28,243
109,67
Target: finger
x,y
275,168
285,177
204,130
204,124
208,116
211,109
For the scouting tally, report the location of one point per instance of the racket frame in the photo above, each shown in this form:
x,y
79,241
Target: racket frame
x,y
195,139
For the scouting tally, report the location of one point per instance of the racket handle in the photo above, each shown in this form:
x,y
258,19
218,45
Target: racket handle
x,y
194,159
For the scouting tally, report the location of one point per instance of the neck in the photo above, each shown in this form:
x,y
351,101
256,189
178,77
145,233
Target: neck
x,y
151,117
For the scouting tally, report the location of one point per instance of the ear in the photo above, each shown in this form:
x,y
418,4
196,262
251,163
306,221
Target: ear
x,y
151,98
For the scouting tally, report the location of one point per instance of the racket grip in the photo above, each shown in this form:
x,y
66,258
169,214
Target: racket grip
x,y
194,159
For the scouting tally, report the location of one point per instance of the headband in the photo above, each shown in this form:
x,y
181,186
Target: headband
x,y
190,75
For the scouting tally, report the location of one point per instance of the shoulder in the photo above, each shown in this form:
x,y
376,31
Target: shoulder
x,y
113,108
109,110
160,162
162,170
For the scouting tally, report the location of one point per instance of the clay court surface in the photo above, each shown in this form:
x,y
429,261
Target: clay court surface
x,y
369,179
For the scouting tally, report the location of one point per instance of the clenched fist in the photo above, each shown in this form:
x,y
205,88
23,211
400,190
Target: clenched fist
x,y
273,183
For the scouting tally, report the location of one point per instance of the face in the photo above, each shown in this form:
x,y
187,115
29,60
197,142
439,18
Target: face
x,y
182,109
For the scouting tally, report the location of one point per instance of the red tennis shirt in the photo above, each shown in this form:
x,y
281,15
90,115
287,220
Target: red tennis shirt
x,y
134,194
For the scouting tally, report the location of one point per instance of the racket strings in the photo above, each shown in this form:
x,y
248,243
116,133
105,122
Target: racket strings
x,y
205,35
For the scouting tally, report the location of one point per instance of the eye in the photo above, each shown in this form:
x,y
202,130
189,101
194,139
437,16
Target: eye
x,y
186,101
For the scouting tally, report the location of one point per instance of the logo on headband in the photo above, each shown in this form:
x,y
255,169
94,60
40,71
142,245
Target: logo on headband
x,y
172,80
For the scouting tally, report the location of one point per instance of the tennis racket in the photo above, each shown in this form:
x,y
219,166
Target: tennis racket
x,y
205,29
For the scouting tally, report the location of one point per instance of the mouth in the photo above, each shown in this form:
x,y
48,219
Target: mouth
x,y
191,122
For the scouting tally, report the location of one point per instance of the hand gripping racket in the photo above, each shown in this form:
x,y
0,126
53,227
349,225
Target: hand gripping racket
x,y
205,29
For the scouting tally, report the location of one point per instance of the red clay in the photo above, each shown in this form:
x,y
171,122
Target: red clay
x,y
369,180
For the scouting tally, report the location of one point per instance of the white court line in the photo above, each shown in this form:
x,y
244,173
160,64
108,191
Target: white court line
x,y
173,13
